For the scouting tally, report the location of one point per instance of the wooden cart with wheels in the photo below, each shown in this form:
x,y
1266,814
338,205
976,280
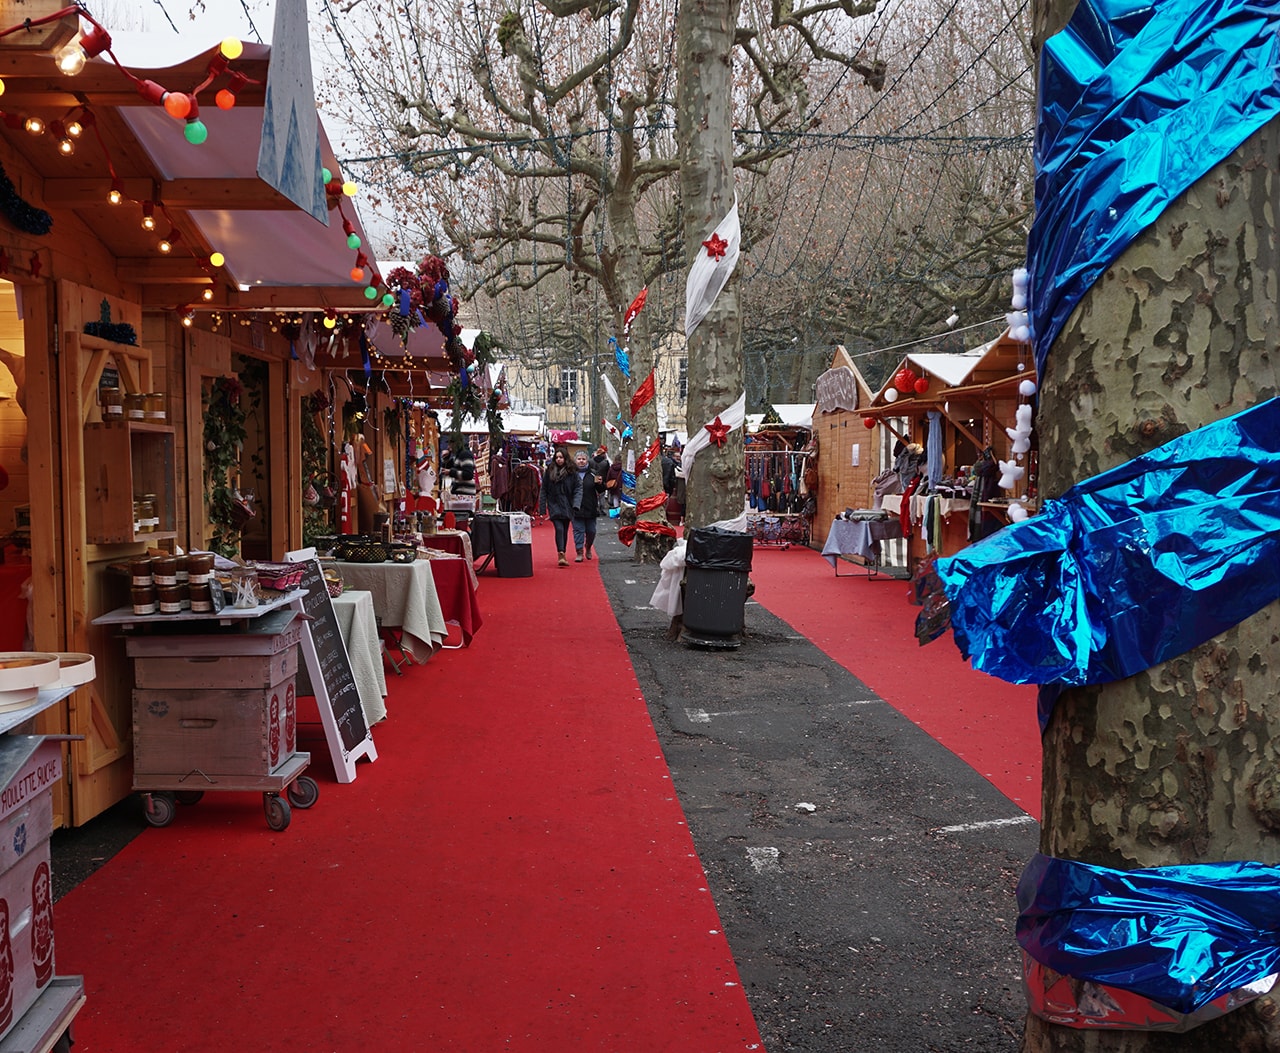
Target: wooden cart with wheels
x,y
215,709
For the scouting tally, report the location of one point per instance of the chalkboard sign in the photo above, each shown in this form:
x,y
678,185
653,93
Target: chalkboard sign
x,y
329,667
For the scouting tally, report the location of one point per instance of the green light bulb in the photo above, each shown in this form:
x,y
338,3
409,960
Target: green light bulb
x,y
353,241
196,132
387,299
326,175
370,292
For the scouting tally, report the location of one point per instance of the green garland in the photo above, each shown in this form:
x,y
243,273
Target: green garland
x,y
224,435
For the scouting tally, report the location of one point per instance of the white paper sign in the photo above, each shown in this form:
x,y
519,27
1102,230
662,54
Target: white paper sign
x,y
857,454
389,476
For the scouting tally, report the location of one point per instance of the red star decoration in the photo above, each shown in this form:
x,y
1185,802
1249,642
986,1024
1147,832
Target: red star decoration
x,y
4,261
716,247
718,430
34,264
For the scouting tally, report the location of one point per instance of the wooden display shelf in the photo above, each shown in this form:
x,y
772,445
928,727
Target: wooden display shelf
x,y
121,460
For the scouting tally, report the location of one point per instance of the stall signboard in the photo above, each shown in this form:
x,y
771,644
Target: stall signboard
x,y
329,667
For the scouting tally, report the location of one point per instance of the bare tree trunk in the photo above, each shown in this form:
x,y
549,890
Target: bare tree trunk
x,y
1177,764
705,137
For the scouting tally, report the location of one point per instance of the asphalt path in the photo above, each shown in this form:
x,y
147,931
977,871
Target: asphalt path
x,y
864,875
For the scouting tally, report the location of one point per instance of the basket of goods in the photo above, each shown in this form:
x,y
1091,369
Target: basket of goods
x,y
281,577
333,581
363,548
403,553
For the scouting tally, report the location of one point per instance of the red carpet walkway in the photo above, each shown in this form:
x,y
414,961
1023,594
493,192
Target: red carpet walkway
x,y
513,873
867,626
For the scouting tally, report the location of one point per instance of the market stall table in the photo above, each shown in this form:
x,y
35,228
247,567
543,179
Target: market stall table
x,y
358,625
456,542
505,539
404,601
859,537
454,579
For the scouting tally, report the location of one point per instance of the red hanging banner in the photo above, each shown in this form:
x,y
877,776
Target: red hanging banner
x,y
643,394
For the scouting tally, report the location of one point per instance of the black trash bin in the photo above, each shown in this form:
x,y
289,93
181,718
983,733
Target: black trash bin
x,y
717,567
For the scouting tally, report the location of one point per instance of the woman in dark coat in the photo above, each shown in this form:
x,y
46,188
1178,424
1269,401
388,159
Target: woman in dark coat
x,y
561,493
587,508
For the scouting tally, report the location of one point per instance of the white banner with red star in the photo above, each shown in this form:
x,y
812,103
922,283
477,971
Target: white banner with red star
x,y
716,431
711,269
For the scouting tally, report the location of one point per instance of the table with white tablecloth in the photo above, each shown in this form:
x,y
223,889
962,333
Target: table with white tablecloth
x,y
353,611
404,601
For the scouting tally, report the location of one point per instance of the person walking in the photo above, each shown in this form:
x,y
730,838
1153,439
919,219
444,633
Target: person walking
x,y
561,493
587,508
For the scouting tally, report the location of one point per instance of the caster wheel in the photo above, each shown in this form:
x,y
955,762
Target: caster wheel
x,y
188,796
303,792
278,811
158,808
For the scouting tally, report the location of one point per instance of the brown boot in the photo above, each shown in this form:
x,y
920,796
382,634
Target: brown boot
x,y
588,552
563,562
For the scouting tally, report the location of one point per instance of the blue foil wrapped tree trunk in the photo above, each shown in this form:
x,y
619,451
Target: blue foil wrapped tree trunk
x,y
1177,326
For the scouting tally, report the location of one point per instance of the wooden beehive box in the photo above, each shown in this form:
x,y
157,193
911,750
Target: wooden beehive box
x,y
29,767
222,704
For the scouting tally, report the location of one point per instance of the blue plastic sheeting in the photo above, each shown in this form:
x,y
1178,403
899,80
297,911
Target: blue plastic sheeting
x,y
1137,102
1132,567
1180,936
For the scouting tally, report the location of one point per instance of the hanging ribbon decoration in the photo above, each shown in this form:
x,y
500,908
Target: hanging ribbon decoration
x,y
611,428
644,393
651,502
634,309
711,270
715,431
621,356
609,388
648,456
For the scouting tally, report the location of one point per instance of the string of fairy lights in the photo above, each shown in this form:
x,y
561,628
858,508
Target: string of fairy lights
x,y
820,239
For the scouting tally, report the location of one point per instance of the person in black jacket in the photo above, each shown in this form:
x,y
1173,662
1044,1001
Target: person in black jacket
x,y
561,494
587,508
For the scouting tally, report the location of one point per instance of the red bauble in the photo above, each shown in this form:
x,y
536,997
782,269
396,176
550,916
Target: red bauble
x,y
921,385
904,380
869,422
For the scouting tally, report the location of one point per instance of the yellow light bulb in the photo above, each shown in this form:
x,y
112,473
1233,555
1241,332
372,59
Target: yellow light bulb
x,y
349,189
217,259
232,48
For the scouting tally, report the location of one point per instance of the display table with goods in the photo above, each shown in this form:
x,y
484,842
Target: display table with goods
x,y
215,706
36,1007
455,542
504,539
359,628
858,532
404,601
455,582
783,529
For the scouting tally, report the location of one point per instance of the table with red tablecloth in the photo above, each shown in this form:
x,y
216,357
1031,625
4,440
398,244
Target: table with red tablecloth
x,y
456,542
456,590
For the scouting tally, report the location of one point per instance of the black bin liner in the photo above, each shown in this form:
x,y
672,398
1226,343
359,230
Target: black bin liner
x,y
714,548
